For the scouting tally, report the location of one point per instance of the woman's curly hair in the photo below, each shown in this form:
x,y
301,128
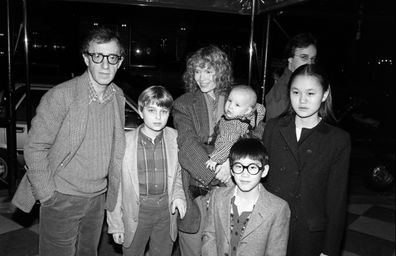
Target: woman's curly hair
x,y
210,56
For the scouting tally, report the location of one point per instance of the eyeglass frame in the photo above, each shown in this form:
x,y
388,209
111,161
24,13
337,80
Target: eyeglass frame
x,y
247,168
306,58
91,54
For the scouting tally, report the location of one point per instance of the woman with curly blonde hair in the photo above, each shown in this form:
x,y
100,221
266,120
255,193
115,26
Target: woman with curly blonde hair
x,y
207,79
210,56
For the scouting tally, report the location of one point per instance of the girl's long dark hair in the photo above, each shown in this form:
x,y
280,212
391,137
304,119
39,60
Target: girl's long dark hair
x,y
326,108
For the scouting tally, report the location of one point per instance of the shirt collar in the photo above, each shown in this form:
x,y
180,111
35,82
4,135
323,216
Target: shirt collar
x,y
144,138
93,95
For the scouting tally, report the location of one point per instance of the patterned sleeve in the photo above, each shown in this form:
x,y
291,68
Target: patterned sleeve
x,y
230,132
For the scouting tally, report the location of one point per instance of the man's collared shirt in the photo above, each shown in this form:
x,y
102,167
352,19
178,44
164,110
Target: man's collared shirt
x,y
107,95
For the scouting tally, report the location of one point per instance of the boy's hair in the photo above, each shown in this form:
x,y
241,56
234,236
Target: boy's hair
x,y
102,35
248,91
157,95
250,147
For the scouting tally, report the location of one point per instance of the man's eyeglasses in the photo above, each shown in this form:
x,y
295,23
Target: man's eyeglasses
x,y
306,58
253,169
98,58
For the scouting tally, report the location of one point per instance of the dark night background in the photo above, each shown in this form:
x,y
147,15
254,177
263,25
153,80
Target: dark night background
x,y
356,47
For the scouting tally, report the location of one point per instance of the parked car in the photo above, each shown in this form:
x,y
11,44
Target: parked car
x,y
132,120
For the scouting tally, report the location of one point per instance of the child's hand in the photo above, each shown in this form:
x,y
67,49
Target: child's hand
x,y
118,238
211,164
181,205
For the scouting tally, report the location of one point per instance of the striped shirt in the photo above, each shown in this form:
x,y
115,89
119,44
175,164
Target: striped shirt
x,y
151,164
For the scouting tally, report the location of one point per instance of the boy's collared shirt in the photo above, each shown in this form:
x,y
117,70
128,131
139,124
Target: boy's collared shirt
x,y
151,164
238,225
107,96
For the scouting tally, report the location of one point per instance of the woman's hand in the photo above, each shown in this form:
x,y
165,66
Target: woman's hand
x,y
223,172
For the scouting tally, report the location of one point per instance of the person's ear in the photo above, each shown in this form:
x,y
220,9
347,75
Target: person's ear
x,y
120,62
289,63
325,95
265,171
86,59
140,112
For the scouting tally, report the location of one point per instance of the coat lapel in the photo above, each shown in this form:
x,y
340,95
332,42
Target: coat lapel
x,y
79,112
288,131
259,213
171,155
201,115
225,214
130,159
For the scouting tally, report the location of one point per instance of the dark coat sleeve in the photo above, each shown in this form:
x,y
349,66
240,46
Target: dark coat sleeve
x,y
337,197
193,153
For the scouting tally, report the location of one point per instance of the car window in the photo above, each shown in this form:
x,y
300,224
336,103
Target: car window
x,y
132,118
35,97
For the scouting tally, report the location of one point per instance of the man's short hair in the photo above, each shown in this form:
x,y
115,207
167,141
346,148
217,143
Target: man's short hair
x,y
102,35
157,95
302,40
250,147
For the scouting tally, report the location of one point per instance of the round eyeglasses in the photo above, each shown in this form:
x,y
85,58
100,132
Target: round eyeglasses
x,y
253,169
98,58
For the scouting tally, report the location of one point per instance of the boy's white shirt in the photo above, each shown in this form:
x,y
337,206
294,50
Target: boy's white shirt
x,y
237,200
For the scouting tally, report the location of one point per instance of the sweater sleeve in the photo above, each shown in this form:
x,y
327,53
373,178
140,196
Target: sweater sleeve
x,y
337,198
46,124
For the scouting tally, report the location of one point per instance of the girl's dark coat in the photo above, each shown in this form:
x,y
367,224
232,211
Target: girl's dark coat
x,y
311,175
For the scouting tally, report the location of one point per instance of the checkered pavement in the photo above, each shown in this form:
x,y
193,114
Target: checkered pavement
x,y
370,229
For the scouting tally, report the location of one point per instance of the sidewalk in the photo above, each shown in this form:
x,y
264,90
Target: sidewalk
x,y
370,226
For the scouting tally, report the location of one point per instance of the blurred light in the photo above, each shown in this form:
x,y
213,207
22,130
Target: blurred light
x,y
124,25
96,24
183,29
138,51
2,34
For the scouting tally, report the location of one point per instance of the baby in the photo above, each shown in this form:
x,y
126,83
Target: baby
x,y
242,113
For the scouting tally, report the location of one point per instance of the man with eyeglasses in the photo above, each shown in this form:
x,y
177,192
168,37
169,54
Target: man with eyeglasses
x,y
74,152
301,49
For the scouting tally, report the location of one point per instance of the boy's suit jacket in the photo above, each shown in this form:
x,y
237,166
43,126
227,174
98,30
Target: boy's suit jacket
x,y
124,218
266,232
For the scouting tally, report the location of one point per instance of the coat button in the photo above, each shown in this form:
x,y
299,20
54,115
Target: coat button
x,y
134,220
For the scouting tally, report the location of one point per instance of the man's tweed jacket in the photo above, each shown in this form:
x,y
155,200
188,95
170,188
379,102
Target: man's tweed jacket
x,y
58,130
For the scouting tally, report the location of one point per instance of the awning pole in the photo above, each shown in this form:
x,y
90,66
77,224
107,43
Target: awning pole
x,y
253,14
265,66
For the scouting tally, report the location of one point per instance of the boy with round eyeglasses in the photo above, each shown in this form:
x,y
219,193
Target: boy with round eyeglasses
x,y
246,217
